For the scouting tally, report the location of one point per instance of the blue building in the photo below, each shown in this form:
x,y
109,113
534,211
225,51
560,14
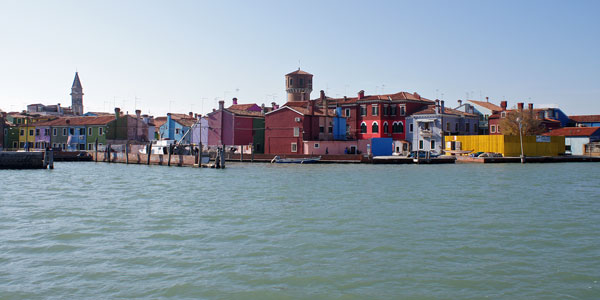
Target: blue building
x,y
175,126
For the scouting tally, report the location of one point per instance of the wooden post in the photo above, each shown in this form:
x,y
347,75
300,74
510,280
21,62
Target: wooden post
x,y
242,153
149,151
51,159
108,151
251,152
127,153
170,151
200,155
45,160
96,147
223,158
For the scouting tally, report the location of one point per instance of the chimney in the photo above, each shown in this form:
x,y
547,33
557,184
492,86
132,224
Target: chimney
x,y
361,94
262,108
214,110
437,107
520,106
221,105
234,101
274,105
117,112
198,116
138,113
442,109
322,96
530,106
325,107
487,99
191,114
459,102
311,106
503,104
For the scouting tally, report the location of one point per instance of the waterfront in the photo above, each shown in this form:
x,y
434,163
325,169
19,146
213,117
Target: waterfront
x,y
262,231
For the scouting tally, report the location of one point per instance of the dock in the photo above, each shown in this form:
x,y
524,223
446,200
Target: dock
x,y
26,160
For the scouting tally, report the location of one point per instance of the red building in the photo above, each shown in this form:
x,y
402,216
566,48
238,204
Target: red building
x,y
376,116
289,126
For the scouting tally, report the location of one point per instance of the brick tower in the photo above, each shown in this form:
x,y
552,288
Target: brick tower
x,y
77,96
298,85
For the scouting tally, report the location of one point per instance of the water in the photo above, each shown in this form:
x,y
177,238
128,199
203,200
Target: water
x,y
262,231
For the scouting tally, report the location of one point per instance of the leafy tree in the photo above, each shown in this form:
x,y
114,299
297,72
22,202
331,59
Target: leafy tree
x,y
531,126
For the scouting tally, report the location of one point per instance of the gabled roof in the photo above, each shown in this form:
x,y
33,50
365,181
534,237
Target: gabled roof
x,y
430,110
182,119
243,106
302,108
249,113
299,72
575,131
585,118
76,121
488,105
398,97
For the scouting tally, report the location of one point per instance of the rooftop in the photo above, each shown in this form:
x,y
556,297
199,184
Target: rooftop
x,y
585,118
574,131
430,110
299,72
488,105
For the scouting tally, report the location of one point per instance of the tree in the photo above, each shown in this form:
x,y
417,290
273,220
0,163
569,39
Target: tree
x,y
531,126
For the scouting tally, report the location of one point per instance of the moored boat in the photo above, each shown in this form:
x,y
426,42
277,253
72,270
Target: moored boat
x,y
306,160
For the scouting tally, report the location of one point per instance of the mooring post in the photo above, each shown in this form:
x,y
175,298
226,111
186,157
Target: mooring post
x,y
127,153
45,160
108,151
251,152
200,155
149,151
223,158
170,151
96,147
241,153
51,159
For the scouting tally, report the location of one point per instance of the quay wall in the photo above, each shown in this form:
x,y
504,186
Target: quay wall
x,y
142,159
21,160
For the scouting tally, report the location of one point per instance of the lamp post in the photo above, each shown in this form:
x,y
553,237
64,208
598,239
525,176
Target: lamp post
x,y
521,139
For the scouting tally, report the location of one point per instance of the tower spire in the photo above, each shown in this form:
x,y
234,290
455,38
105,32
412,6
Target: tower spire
x,y
77,96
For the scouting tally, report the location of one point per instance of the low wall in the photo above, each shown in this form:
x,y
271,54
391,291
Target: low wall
x,y
22,160
142,159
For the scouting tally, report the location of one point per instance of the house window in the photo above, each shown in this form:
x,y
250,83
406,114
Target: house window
x,y
474,128
393,109
363,127
291,81
294,147
347,112
21,145
402,110
316,145
90,146
15,144
385,110
64,146
432,144
81,131
18,121
177,130
47,131
448,126
503,114
374,110
296,131
363,110
90,131
100,130
493,128
385,127
398,128
37,132
30,132
498,128
375,127
321,129
330,129
456,127
81,146
467,127
421,145
301,82
22,132
72,131
410,127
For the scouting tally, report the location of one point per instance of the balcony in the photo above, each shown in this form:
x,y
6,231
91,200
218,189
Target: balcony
x,y
425,132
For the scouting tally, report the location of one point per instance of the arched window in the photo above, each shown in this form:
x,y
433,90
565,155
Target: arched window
x,y
375,127
385,127
363,127
400,127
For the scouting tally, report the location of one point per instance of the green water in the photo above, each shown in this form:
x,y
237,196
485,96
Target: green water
x,y
262,231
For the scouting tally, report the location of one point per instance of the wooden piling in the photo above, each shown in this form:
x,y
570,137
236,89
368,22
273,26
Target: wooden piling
x,y
127,153
200,155
149,151
251,152
108,152
170,151
51,159
96,147
223,158
242,154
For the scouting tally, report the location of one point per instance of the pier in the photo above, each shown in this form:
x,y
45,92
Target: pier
x,y
27,160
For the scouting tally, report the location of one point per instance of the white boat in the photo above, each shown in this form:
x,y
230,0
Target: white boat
x,y
307,160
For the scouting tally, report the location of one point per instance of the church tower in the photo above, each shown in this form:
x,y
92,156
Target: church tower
x,y
77,96
298,85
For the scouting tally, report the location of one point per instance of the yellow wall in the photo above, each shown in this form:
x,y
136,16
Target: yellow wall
x,y
509,145
27,136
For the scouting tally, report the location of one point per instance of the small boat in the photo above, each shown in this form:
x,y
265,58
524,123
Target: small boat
x,y
307,160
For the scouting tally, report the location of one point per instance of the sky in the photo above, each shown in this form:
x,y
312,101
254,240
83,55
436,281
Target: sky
x,y
182,56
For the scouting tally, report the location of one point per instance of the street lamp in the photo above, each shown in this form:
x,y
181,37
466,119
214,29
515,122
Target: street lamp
x,y
521,138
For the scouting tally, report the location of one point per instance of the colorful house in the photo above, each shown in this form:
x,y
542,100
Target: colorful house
x,y
125,128
576,138
585,121
483,109
427,127
175,127
236,126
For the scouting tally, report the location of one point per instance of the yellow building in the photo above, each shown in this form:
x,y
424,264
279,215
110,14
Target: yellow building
x,y
508,145
26,134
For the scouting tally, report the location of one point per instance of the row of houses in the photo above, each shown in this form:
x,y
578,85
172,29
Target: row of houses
x,y
375,124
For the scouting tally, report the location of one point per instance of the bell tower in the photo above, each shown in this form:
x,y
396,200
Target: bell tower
x,y
77,96
298,85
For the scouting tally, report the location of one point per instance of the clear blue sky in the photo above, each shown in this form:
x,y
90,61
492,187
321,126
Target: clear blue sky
x,y
176,53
